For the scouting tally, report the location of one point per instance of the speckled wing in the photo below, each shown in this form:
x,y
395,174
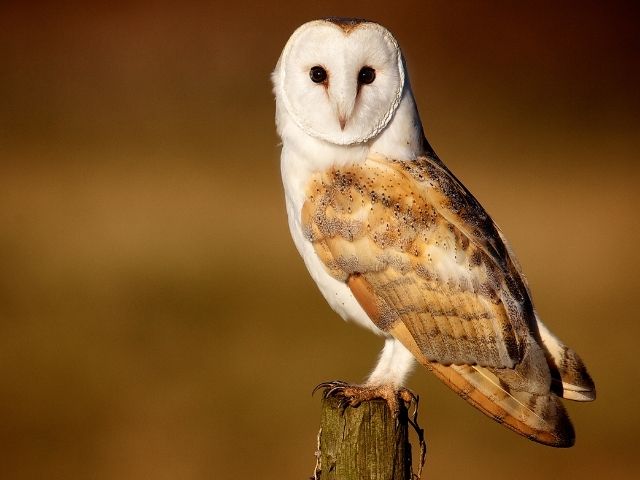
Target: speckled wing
x,y
429,266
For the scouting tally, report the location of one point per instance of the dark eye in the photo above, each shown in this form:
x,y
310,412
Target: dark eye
x,y
366,75
318,74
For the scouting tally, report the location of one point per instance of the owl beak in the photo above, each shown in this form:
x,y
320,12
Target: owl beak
x,y
342,118
343,104
344,110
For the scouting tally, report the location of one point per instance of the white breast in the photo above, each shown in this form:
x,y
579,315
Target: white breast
x,y
296,174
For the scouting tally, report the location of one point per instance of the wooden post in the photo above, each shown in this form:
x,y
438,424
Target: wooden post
x,y
364,442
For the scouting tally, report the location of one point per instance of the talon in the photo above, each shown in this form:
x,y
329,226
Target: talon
x,y
331,392
316,388
329,385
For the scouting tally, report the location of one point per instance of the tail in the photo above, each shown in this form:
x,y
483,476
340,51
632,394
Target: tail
x,y
570,378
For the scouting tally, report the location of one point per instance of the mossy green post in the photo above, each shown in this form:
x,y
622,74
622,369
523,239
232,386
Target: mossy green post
x,y
363,442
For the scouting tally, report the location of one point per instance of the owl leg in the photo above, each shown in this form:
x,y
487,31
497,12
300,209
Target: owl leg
x,y
385,381
394,364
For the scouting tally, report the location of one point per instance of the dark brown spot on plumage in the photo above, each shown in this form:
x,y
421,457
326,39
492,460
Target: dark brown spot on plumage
x,y
463,240
499,417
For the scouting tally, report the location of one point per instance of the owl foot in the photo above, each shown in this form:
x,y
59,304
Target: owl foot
x,y
354,395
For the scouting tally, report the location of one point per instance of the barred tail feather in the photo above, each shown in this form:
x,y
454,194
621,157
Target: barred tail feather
x,y
570,378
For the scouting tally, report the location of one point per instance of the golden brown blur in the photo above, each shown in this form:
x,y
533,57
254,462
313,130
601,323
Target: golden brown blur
x,y
155,318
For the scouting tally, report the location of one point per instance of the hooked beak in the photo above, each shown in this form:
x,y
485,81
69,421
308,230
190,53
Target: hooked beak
x,y
342,118
343,103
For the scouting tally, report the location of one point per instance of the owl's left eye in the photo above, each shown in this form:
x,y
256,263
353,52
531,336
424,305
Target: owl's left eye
x,y
366,75
318,74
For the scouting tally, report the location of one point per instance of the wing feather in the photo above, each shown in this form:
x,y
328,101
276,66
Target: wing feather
x,y
429,266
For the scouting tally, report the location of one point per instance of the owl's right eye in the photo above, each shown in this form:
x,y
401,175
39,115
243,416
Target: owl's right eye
x,y
318,74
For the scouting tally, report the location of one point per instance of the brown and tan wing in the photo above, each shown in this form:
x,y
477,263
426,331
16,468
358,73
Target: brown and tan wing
x,y
428,269
570,378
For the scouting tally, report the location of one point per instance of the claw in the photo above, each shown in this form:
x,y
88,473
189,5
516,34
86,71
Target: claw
x,y
330,387
343,404
332,391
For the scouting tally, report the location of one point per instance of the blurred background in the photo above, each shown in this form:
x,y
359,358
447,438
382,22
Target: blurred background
x,y
155,319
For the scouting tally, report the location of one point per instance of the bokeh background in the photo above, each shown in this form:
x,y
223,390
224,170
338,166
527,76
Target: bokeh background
x,y
155,319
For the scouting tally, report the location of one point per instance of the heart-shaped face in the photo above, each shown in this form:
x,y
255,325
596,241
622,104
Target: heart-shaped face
x,y
340,82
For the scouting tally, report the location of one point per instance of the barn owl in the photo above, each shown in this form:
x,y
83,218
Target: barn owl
x,y
399,246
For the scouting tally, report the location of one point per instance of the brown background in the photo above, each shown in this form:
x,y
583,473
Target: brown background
x,y
155,319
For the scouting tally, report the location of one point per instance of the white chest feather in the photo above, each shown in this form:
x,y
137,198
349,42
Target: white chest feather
x,y
295,179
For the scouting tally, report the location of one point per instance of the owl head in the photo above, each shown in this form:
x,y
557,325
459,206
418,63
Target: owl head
x,y
340,80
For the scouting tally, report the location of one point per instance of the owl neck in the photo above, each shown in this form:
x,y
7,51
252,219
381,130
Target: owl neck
x,y
403,139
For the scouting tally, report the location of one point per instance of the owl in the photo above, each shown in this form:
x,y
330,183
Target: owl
x,y
398,245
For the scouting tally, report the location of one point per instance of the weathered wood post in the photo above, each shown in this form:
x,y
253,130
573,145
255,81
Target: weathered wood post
x,y
365,442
